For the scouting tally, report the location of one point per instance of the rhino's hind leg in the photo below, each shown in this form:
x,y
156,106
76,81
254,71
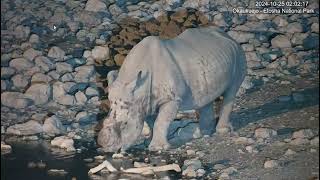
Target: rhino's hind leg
x,y
224,125
166,114
207,121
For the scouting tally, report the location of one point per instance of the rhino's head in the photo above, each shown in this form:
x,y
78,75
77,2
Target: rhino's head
x,y
124,123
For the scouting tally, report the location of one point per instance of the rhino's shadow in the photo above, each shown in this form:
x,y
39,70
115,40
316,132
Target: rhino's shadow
x,y
181,132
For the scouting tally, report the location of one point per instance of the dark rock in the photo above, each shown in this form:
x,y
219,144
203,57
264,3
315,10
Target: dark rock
x,y
77,87
78,52
311,42
75,62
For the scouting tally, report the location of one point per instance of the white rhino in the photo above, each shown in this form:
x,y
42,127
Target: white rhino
x,y
162,77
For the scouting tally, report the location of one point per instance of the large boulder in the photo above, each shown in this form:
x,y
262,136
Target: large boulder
x,y
29,128
40,93
21,64
15,100
53,126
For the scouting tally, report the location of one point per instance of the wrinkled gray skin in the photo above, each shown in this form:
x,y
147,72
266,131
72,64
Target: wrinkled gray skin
x,y
160,77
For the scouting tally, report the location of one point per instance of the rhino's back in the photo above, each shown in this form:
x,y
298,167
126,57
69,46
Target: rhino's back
x,y
207,58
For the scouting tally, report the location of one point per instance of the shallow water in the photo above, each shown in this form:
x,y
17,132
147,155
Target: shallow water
x,y
14,166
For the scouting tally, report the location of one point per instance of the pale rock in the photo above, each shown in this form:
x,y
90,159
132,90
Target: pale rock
x,y
280,21
100,53
53,126
289,152
56,53
95,6
189,172
67,77
20,64
63,142
230,170
54,75
303,133
265,133
146,132
219,20
34,39
84,73
247,47
200,172
15,100
297,38
40,93
21,32
31,53
294,27
29,128
40,78
315,27
90,91
219,166
63,68
281,41
271,164
293,60
241,37
20,81
5,148
115,10
87,54
44,63
191,152
95,100
119,156
81,98
191,4
299,142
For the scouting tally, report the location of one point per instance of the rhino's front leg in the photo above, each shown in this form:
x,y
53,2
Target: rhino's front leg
x,y
166,114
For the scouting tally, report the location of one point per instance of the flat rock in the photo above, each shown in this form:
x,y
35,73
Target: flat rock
x,y
281,41
303,133
29,128
271,164
63,142
15,100
20,64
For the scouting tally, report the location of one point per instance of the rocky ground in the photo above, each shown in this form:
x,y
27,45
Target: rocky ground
x,y
55,56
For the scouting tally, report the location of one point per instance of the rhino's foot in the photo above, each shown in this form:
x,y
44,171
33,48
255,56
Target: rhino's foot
x,y
159,146
224,130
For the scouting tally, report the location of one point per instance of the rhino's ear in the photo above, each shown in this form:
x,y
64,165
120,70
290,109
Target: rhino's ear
x,y
112,76
138,82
